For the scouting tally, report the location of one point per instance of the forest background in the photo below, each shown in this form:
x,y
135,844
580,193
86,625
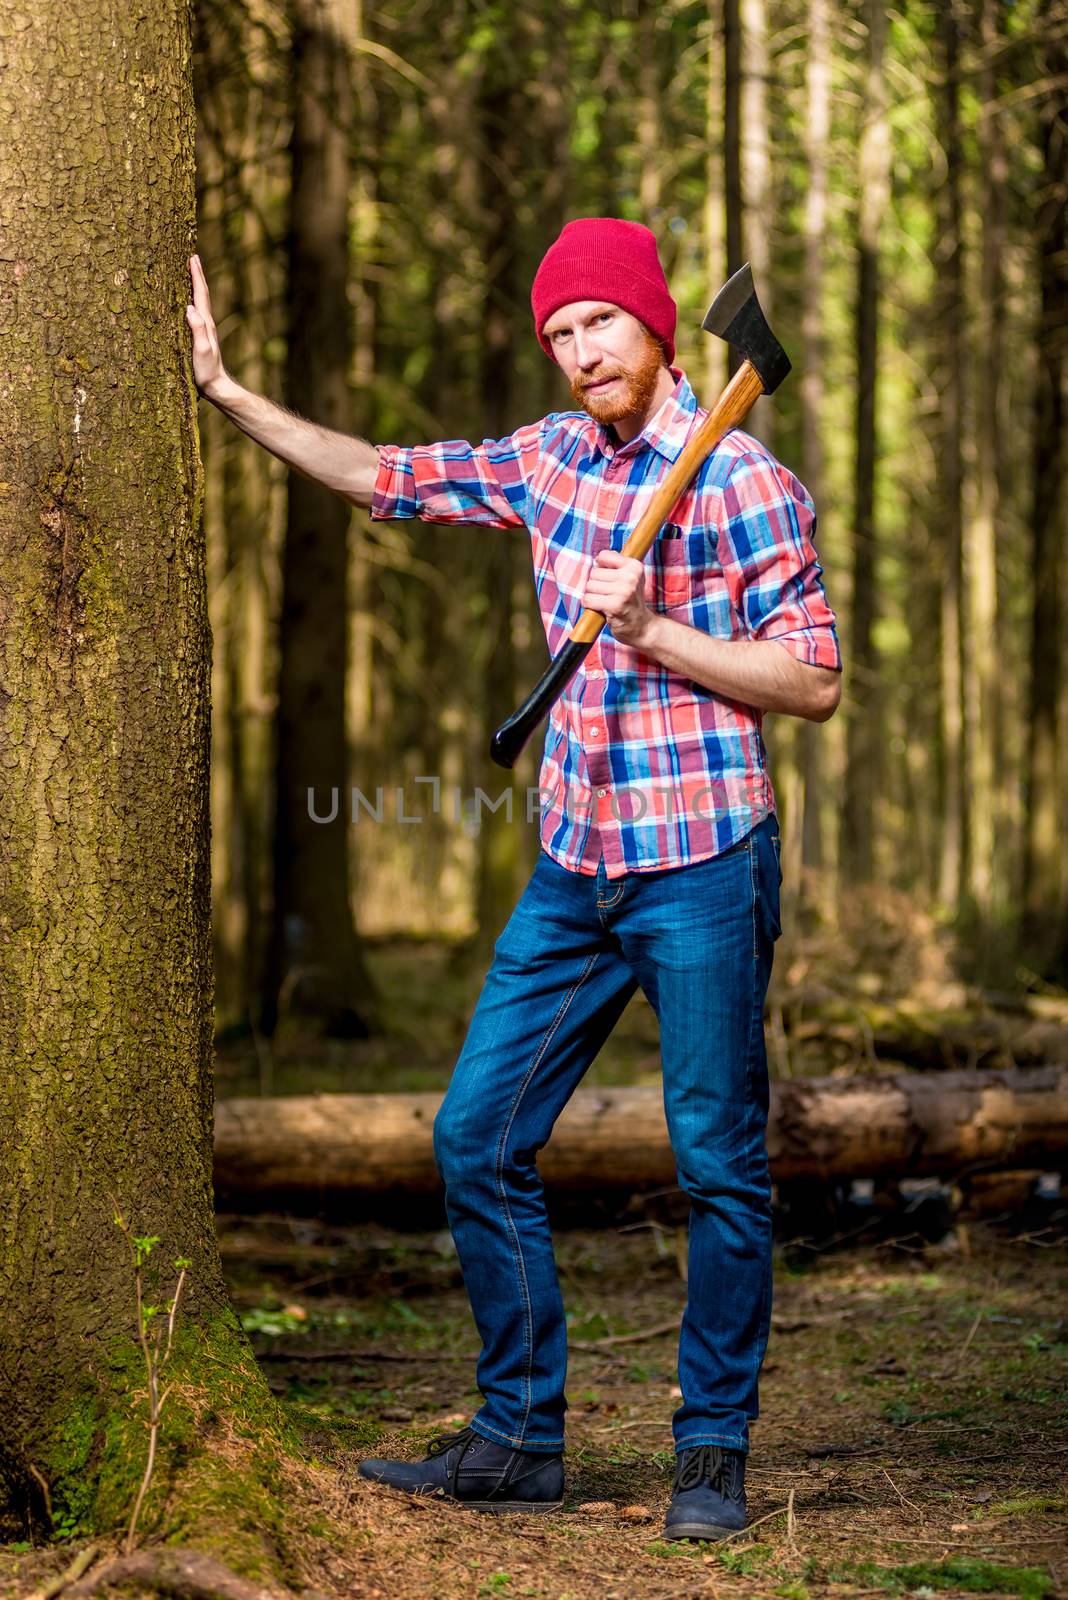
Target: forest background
x,y
375,190
376,187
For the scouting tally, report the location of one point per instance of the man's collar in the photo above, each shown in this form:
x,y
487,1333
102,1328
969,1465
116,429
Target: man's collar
x,y
666,431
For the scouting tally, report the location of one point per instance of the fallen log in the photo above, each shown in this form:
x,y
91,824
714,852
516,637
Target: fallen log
x,y
910,1125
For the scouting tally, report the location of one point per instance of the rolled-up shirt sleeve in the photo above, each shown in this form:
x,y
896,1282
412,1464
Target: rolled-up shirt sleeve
x,y
770,563
459,482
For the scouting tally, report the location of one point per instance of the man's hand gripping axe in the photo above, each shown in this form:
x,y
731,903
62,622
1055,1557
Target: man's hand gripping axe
x,y
734,315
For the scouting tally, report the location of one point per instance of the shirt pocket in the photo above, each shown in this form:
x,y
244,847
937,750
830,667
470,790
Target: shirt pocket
x,y
680,566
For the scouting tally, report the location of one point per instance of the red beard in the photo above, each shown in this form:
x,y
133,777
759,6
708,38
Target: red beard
x,y
630,397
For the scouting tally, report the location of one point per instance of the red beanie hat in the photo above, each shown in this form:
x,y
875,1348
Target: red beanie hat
x,y
605,258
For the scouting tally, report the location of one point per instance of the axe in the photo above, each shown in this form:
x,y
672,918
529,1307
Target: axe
x,y
736,316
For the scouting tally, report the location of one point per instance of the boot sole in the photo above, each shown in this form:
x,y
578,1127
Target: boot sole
x,y
495,1507
699,1530
492,1507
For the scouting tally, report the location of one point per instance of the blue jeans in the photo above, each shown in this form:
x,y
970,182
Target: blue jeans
x,y
699,940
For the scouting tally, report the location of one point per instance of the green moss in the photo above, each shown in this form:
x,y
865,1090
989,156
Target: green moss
x,y
747,1561
1028,1504
970,1573
222,1440
72,1489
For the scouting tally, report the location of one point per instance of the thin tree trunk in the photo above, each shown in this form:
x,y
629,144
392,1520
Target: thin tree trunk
x,y
756,182
105,950
982,696
732,140
232,78
500,109
950,337
1045,923
317,968
806,847
863,741
713,210
650,133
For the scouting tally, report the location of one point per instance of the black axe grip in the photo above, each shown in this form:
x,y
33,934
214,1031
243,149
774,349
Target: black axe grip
x,y
510,739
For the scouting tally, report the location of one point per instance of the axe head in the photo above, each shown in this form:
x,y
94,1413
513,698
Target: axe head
x,y
736,316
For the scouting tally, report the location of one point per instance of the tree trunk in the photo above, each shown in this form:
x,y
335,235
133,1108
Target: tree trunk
x,y
949,336
982,686
757,202
316,967
1045,927
309,1145
105,951
649,131
863,741
501,111
806,847
713,211
732,142
235,83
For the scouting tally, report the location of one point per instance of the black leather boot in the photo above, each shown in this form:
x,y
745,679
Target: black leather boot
x,y
477,1473
708,1499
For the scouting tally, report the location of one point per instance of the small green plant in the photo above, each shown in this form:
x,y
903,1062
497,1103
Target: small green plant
x,y
746,1561
496,1583
261,1319
665,1547
155,1333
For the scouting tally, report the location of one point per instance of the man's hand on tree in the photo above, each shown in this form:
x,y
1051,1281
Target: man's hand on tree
x,y
616,588
208,369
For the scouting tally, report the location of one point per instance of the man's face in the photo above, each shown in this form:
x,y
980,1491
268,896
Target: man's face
x,y
610,359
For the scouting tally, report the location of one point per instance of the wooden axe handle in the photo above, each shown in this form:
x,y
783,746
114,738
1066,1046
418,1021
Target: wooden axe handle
x,y
732,407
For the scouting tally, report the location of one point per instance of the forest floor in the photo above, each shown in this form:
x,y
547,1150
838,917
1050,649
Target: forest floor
x,y
913,1437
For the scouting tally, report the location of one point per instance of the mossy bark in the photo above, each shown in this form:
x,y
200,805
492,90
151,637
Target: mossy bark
x,y
105,962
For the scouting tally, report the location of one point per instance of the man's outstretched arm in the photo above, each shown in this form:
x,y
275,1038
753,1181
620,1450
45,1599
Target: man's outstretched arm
x,y
345,464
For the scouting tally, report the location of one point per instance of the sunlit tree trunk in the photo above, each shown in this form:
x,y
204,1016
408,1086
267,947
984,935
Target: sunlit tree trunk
x,y
949,336
985,667
757,183
807,842
651,150
732,139
713,215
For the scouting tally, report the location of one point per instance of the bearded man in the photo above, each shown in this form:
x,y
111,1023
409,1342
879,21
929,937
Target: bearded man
x,y
659,864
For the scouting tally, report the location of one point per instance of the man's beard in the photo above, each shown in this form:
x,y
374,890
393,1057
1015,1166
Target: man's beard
x,y
632,396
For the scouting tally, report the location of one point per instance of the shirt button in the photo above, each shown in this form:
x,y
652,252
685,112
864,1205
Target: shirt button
x,y
594,732
601,793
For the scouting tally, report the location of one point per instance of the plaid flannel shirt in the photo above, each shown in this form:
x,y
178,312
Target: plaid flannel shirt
x,y
641,766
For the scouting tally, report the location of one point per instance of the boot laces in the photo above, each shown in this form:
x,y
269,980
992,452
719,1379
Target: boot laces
x,y
704,1463
445,1441
448,1441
